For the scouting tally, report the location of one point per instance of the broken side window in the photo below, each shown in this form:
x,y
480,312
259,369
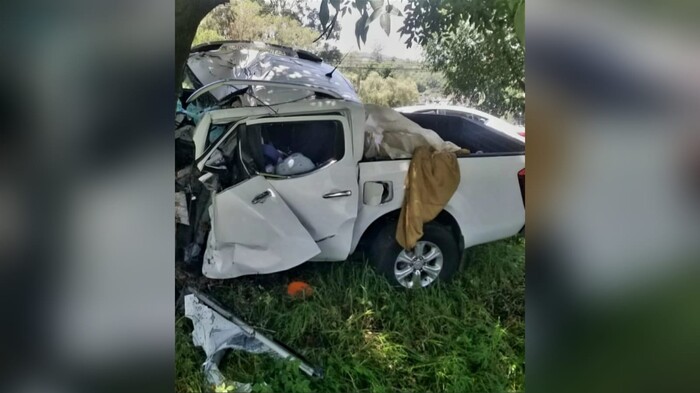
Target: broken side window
x,y
275,149
291,148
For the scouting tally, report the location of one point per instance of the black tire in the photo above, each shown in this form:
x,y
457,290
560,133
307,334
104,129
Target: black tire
x,y
384,250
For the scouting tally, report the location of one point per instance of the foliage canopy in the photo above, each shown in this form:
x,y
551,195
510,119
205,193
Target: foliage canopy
x,y
387,91
477,45
248,20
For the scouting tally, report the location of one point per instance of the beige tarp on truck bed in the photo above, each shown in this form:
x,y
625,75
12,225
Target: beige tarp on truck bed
x,y
433,175
389,134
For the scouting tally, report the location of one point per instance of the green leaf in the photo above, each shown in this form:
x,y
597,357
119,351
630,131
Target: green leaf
x,y
376,4
361,29
390,9
376,14
323,13
335,4
361,4
385,23
519,22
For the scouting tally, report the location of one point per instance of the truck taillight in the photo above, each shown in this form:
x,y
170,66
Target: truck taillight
x,y
521,181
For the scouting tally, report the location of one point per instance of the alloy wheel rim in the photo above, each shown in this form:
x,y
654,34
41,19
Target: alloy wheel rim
x,y
419,267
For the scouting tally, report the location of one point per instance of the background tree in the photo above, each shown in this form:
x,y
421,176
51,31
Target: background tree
x,y
426,18
330,54
478,47
248,20
483,69
377,53
375,89
205,34
477,44
300,10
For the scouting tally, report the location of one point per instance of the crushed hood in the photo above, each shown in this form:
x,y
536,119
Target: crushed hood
x,y
305,73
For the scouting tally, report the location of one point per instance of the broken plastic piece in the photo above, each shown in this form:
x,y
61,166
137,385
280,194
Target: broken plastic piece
x,y
216,330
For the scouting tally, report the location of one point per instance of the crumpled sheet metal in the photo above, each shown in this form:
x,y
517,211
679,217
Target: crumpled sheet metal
x,y
216,333
258,61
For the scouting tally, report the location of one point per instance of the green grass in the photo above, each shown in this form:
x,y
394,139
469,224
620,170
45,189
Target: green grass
x,y
463,336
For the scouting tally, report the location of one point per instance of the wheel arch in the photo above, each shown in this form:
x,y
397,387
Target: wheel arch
x,y
444,218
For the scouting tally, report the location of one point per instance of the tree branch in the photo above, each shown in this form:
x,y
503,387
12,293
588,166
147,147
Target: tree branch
x,y
328,29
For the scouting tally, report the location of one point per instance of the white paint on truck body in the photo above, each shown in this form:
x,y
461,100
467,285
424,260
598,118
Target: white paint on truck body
x,y
328,220
254,232
487,205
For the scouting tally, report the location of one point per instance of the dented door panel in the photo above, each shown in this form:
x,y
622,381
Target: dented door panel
x,y
254,232
325,200
330,221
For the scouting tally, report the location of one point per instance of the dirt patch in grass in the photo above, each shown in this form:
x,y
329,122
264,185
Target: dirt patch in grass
x,y
464,336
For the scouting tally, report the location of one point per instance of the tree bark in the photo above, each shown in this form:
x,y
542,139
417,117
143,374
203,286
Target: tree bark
x,y
188,14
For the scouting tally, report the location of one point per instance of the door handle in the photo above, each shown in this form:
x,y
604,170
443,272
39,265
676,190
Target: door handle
x,y
262,197
338,194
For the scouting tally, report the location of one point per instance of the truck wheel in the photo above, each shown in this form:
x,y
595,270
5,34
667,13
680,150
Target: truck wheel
x,y
436,256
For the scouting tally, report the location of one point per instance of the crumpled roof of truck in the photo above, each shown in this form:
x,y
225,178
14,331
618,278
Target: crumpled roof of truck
x,y
257,61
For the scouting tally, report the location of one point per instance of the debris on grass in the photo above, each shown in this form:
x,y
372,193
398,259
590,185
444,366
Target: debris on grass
x,y
299,289
456,337
217,330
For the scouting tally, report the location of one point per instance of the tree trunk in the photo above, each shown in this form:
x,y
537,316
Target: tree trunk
x,y
188,14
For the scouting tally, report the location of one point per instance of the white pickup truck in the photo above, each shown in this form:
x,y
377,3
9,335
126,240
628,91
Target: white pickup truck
x,y
249,96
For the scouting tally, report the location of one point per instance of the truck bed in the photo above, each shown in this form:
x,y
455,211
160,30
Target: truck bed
x,y
469,134
487,205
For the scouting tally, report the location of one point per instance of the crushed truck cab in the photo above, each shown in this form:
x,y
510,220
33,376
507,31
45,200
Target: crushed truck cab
x,y
279,174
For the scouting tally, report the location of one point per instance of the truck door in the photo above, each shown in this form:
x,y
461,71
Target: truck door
x,y
325,197
254,232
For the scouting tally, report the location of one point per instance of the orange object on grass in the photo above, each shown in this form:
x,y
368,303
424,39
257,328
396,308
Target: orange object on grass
x,y
299,289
